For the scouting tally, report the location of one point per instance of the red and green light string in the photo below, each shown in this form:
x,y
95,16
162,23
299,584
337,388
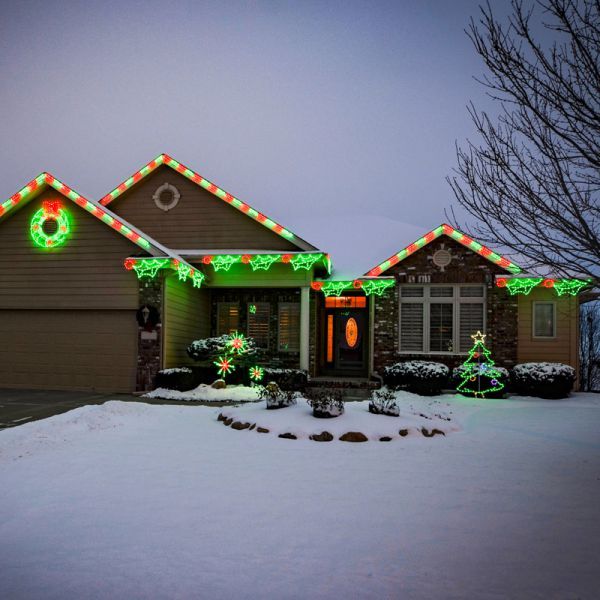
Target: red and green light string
x,y
524,285
460,237
149,268
165,159
94,209
369,287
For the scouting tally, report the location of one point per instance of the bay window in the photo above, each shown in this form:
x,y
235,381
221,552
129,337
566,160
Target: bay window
x,y
440,318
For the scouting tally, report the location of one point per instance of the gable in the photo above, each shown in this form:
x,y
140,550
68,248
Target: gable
x,y
456,237
222,216
86,271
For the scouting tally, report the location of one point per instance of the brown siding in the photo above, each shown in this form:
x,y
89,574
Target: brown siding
x,y
68,349
186,318
563,347
86,272
199,221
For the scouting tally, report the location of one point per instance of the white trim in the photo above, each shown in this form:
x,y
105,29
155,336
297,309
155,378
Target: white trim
x,y
533,307
426,300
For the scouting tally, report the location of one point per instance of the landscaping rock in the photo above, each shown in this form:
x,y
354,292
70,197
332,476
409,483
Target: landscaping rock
x,y
239,425
403,432
288,436
385,438
228,421
252,426
437,431
220,417
219,384
354,436
262,430
324,436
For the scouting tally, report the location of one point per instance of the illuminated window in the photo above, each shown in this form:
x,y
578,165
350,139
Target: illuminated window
x,y
289,327
259,314
440,318
228,317
345,302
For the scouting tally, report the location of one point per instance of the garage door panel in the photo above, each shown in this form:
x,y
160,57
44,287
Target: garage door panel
x,y
68,349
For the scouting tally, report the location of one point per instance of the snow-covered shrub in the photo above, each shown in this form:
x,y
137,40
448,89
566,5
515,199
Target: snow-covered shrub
x,y
417,376
326,403
504,379
179,378
543,379
287,379
383,402
275,397
208,349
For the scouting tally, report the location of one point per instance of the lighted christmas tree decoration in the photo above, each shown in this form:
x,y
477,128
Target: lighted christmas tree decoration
x,y
225,365
256,374
51,212
479,376
236,344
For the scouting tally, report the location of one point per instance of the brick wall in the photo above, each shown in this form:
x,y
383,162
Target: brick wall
x,y
466,267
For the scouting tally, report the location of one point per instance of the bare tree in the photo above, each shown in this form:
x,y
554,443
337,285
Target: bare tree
x,y
533,181
589,347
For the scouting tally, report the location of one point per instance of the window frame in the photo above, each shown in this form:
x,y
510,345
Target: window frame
x,y
219,306
426,300
534,305
248,313
279,306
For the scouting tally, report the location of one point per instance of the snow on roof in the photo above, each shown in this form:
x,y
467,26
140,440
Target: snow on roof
x,y
357,242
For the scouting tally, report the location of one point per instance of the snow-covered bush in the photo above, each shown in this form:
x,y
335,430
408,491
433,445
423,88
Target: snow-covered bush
x,y
383,402
179,378
504,379
208,349
275,397
326,403
417,376
287,379
543,379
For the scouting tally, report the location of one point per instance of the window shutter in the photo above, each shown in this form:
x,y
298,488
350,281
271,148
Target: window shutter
x,y
258,323
227,317
289,327
411,327
471,321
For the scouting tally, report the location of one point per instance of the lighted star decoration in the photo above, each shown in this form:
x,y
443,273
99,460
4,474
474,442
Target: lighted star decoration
x,y
479,338
304,261
225,365
256,373
236,344
263,261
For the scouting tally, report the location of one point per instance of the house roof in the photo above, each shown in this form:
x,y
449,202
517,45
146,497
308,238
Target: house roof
x,y
165,159
107,216
455,234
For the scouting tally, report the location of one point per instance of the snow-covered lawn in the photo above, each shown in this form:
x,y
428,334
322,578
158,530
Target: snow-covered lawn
x,y
128,500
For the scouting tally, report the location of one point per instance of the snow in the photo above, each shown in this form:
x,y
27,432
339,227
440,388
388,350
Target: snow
x,y
416,412
129,500
174,370
422,369
544,371
206,393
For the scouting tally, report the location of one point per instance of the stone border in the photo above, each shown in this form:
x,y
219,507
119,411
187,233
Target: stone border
x,y
325,436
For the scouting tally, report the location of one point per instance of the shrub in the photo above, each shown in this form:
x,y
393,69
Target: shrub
x,y
326,403
417,376
276,397
383,402
543,379
180,379
504,379
208,349
288,379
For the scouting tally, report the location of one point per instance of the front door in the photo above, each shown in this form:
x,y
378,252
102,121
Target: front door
x,y
346,336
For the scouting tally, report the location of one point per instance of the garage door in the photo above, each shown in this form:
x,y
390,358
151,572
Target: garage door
x,y
68,349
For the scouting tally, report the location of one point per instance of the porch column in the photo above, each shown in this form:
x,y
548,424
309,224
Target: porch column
x,y
304,326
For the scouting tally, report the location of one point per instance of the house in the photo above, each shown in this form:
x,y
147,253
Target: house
x,y
102,294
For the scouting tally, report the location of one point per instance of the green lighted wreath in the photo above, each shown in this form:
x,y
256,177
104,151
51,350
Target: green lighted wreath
x,y
50,211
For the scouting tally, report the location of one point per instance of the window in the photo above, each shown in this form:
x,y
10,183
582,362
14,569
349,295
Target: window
x,y
289,327
258,323
440,319
544,319
228,317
